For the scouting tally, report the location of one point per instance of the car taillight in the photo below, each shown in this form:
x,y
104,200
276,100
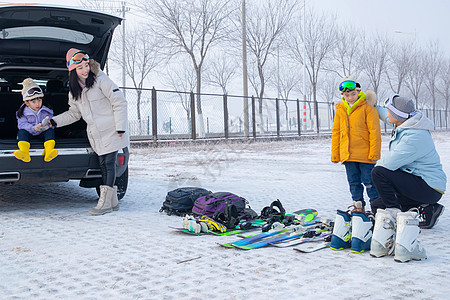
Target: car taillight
x,y
121,160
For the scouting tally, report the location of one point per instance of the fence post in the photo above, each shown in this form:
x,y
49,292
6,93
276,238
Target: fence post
x,y
277,105
299,122
253,118
154,116
193,133
225,115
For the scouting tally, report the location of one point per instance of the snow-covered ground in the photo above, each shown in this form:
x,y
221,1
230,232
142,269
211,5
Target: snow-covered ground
x,y
51,248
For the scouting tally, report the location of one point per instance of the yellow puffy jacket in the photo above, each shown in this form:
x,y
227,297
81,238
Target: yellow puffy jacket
x,y
356,136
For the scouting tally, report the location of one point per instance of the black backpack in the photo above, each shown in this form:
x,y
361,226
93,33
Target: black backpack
x,y
181,200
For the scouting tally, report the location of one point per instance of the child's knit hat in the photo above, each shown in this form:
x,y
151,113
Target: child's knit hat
x,y
401,108
31,90
350,78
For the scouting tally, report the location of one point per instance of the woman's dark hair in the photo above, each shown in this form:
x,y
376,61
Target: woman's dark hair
x,y
74,86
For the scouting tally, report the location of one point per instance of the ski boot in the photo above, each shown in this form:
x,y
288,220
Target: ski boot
x,y
342,236
407,247
362,226
383,238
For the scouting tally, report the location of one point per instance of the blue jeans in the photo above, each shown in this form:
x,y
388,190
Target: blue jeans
x,y
47,135
357,175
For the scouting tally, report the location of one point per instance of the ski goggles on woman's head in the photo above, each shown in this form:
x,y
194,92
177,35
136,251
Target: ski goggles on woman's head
x,y
77,58
388,103
347,86
32,91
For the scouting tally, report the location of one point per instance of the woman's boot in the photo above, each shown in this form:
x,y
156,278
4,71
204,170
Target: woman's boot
x,y
115,199
104,201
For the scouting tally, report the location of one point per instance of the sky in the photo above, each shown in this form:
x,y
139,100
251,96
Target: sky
x,y
422,20
402,20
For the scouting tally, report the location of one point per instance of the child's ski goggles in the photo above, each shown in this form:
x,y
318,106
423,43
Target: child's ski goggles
x,y
77,58
32,91
347,86
388,103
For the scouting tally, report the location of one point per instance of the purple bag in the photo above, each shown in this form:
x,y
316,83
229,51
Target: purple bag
x,y
215,203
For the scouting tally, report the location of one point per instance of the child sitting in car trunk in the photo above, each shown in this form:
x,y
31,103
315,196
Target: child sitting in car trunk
x,y
32,117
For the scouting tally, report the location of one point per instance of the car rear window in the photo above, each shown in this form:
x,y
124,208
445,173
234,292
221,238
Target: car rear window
x,y
46,33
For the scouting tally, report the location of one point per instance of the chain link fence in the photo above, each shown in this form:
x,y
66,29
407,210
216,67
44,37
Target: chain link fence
x,y
168,115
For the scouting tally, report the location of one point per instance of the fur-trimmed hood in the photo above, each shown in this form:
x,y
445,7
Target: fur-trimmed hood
x,y
95,67
371,98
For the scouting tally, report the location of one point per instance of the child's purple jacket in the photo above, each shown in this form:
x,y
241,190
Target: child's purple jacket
x,y
31,118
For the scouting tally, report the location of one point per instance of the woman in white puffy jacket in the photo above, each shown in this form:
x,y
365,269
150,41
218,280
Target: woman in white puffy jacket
x,y
94,97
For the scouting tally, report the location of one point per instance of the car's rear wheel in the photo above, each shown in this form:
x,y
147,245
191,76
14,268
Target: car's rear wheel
x,y
122,185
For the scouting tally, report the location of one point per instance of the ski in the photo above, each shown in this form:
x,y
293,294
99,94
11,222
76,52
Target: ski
x,y
310,214
292,243
312,248
293,234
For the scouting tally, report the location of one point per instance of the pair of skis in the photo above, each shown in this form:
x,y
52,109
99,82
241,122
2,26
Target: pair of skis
x,y
286,237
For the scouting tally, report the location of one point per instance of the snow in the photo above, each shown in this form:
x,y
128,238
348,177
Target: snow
x,y
51,248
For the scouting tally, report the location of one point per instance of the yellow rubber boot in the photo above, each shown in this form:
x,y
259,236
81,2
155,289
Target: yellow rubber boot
x,y
49,150
24,151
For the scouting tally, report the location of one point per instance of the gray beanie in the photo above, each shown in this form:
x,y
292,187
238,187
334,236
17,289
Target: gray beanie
x,y
401,108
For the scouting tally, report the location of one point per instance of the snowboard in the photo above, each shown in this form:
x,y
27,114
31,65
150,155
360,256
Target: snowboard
x,y
308,248
309,213
256,224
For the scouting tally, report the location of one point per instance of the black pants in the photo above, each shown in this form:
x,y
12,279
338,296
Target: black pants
x,y
108,168
401,190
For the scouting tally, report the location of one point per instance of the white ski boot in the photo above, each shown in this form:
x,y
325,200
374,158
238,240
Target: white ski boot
x,y
407,247
383,238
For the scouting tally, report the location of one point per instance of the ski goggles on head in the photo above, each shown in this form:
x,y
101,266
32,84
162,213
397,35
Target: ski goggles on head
x,y
388,103
77,58
347,86
32,91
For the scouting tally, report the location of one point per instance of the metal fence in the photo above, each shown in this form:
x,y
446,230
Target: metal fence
x,y
168,115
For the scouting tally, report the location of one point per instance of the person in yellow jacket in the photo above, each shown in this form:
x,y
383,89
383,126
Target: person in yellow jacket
x,y
356,139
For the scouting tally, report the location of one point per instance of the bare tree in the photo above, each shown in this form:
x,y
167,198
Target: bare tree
x,y
221,71
346,53
415,77
401,59
433,61
101,5
182,78
286,80
319,40
189,27
265,25
374,60
445,80
141,59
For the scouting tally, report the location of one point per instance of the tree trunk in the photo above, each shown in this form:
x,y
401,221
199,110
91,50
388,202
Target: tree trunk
x,y
201,127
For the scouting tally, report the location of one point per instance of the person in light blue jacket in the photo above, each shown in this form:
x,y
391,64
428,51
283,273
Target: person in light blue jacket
x,y
410,174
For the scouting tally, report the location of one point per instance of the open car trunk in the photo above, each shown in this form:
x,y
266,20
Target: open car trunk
x,y
71,136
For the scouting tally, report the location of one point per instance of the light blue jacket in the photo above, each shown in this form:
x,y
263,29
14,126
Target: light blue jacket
x,y
412,150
